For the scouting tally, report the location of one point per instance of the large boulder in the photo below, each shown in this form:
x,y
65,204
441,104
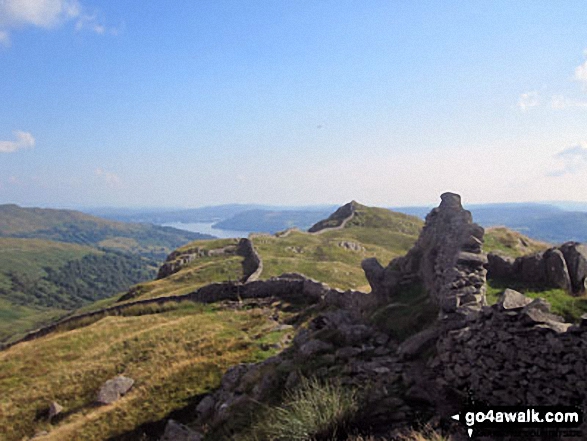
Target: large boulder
x,y
557,273
499,267
531,269
113,389
511,299
576,258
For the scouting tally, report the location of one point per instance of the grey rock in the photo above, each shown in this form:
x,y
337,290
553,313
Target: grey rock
x,y
314,347
55,409
474,259
347,352
511,299
418,342
557,272
175,431
576,259
531,269
233,375
113,389
205,408
374,272
499,267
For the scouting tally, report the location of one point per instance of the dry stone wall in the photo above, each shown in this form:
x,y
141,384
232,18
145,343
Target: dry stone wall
x,y
515,353
447,259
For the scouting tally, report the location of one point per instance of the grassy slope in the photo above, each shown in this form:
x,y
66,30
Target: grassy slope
x,y
502,240
200,272
172,356
377,232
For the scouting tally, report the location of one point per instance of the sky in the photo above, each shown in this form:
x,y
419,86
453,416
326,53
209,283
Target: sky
x,y
291,102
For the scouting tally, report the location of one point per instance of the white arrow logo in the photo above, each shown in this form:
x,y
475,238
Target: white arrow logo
x,y
455,417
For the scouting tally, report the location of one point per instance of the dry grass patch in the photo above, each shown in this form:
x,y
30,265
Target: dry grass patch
x,y
172,356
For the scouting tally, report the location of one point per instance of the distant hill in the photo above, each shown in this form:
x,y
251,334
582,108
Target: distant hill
x,y
544,222
272,221
215,213
154,242
54,261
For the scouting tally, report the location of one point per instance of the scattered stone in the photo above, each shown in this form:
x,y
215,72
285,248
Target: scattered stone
x,y
511,299
175,431
55,409
113,389
205,407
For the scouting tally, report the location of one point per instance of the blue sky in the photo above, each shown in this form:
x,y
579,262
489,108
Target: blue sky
x,y
193,103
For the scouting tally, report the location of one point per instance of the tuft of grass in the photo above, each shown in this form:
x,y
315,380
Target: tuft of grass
x,y
316,409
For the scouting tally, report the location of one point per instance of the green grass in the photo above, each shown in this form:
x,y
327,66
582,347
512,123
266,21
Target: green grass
x,y
511,243
17,320
374,217
172,355
179,350
321,256
316,409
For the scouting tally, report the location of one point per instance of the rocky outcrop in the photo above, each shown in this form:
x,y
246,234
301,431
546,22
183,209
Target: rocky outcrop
x,y
179,259
563,267
114,389
447,259
336,220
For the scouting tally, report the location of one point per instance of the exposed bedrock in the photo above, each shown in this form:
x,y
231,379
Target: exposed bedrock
x,y
447,260
564,267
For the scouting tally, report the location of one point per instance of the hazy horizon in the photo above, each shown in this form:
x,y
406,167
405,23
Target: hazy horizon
x,y
193,104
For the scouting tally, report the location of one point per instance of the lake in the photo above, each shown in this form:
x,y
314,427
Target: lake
x,y
206,228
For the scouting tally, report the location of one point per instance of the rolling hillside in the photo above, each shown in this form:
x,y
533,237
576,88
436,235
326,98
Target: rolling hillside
x,y
41,280
55,261
177,351
69,226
